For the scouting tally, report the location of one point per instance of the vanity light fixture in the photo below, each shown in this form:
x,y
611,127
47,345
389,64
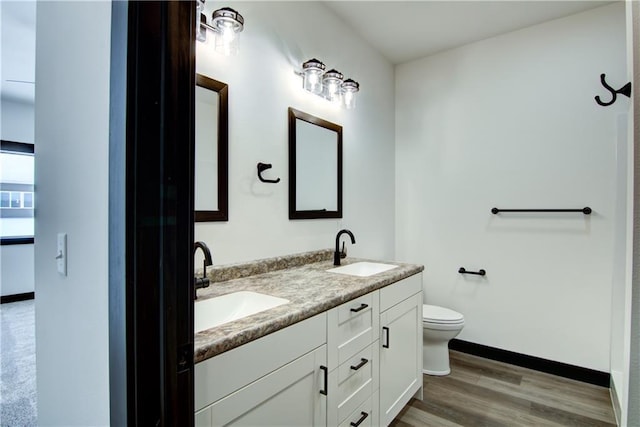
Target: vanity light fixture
x,y
349,89
330,84
312,71
226,25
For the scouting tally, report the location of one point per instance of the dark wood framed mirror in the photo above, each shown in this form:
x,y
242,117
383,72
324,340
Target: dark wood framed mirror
x,y
315,167
211,176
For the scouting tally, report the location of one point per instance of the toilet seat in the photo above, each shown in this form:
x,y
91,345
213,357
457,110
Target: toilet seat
x,y
434,314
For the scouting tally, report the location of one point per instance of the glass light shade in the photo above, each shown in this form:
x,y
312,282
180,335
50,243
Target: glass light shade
x,y
201,32
332,82
227,42
312,71
227,24
349,89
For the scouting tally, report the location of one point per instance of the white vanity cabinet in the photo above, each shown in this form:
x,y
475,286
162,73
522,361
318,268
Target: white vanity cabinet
x,y
374,349
356,364
400,346
352,344
277,380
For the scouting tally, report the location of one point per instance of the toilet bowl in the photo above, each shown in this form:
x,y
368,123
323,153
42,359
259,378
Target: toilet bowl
x,y
439,325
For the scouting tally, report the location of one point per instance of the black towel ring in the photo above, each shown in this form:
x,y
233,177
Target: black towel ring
x,y
261,168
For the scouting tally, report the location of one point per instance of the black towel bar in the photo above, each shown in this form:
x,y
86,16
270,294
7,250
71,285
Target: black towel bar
x,y
587,210
480,272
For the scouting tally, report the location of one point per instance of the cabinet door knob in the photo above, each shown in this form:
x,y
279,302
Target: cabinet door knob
x,y
363,416
362,307
363,362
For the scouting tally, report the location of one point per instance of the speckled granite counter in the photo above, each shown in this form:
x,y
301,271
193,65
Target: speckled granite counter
x,y
302,279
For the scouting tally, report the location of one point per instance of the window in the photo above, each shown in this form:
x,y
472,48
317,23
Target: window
x,y
17,201
5,196
27,201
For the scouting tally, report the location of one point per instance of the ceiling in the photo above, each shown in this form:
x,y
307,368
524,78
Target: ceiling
x,y
400,30
406,30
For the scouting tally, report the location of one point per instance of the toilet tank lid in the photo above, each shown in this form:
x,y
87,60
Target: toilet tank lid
x,y
437,313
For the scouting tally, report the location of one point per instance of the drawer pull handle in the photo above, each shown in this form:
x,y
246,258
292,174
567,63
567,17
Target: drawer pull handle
x,y
362,307
326,380
363,362
363,416
385,329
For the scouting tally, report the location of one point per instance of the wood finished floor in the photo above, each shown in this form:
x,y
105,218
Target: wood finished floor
x,y
482,392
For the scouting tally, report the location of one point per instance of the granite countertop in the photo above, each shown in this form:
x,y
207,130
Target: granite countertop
x,y
302,279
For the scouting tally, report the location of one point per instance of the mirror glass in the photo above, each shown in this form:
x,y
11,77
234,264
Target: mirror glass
x,y
315,167
211,158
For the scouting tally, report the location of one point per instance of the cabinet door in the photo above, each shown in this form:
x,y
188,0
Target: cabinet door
x,y
400,356
228,372
289,396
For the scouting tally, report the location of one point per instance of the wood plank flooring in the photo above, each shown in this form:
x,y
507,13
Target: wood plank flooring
x,y
481,392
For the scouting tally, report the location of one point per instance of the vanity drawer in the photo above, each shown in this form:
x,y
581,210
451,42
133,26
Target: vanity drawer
x,y
352,326
350,387
354,308
400,291
364,415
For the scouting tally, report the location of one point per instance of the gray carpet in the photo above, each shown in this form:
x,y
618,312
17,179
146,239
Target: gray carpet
x,y
17,364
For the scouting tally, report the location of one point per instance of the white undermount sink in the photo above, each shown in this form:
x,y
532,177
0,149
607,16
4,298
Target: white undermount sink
x,y
363,269
216,311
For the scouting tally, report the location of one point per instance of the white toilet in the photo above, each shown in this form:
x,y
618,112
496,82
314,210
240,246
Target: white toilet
x,y
439,325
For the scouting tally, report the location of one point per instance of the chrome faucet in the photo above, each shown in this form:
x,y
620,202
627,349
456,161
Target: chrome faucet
x,y
202,282
337,254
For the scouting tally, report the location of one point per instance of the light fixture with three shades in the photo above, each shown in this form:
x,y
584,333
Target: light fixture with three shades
x,y
330,84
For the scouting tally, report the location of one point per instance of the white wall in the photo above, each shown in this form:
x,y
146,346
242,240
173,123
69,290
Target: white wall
x,y
511,122
633,327
621,298
17,67
621,279
16,124
17,121
16,268
278,37
72,131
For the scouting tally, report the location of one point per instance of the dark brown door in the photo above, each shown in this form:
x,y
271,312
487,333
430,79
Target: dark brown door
x,y
151,215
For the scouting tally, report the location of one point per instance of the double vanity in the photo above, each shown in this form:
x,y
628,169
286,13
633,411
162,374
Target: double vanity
x,y
295,341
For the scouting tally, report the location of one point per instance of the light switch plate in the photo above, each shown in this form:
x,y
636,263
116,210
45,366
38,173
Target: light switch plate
x,y
61,257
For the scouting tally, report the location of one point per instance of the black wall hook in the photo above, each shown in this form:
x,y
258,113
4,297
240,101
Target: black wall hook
x,y
624,90
263,167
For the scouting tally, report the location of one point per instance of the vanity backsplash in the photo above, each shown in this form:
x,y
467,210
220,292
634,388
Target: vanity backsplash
x,y
226,272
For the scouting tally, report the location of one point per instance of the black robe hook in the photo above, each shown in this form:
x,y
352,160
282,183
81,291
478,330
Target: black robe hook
x,y
624,90
262,167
